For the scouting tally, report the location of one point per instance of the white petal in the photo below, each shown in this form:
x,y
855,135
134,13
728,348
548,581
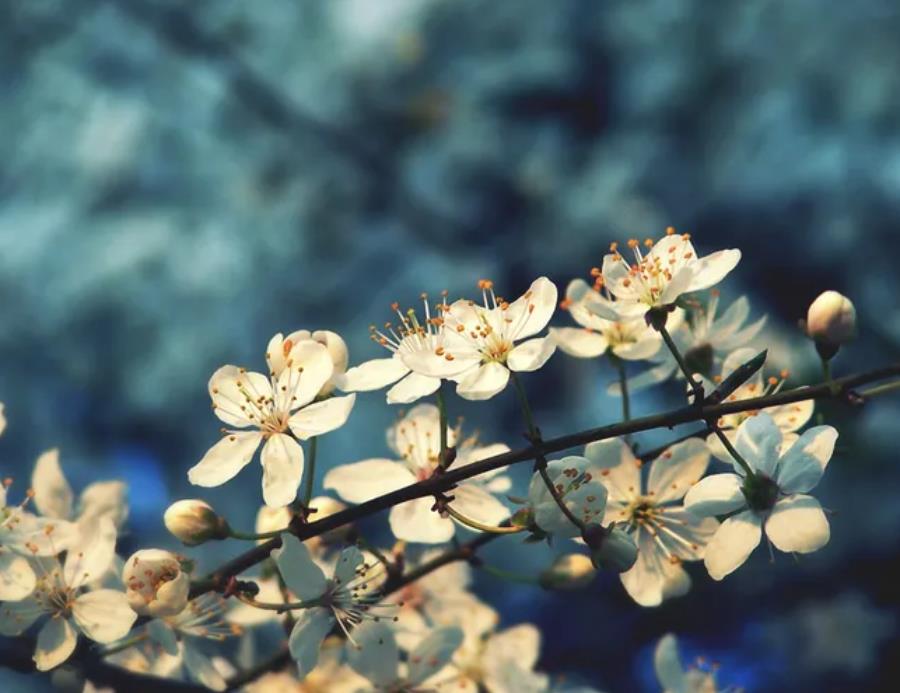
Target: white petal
x,y
17,578
531,354
687,534
230,388
645,581
667,665
101,498
16,617
302,576
164,635
321,417
433,653
616,278
377,656
475,502
282,463
732,544
416,521
802,466
717,494
413,387
677,469
679,284
586,500
225,459
55,643
710,270
347,563
362,481
52,493
94,557
731,320
310,368
644,348
372,375
792,417
651,376
797,524
536,305
484,383
104,615
578,341
520,644
620,470
201,668
758,441
311,628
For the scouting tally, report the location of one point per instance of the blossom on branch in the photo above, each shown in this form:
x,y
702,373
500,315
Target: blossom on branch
x,y
278,410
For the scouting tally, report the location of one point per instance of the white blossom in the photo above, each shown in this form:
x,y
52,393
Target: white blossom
x,y
651,512
62,594
266,408
670,268
774,497
415,439
577,482
155,584
672,675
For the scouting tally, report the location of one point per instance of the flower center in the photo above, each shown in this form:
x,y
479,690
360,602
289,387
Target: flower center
x,y
761,492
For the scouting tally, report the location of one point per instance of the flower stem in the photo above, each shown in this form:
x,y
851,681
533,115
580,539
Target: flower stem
x,y
310,472
623,387
445,459
696,387
124,644
475,524
880,390
280,608
540,461
509,576
732,451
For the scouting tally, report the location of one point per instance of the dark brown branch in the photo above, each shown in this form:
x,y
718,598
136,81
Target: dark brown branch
x,y
837,389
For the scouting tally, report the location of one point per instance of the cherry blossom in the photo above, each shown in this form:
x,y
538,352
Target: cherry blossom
x,y
415,439
774,497
270,407
155,584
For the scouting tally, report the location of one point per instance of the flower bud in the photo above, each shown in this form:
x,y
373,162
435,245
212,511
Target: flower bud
x,y
155,584
194,522
611,548
831,322
571,571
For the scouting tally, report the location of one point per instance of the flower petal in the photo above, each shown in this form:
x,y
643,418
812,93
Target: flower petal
x,y
646,346
376,656
530,354
52,493
650,579
732,544
321,417
433,654
758,441
667,665
55,643
300,573
201,668
531,312
347,563
798,524
307,369
372,375
717,494
485,382
17,616
17,578
620,470
416,521
710,270
520,644
94,557
225,459
803,464
677,469
231,388
307,635
413,387
579,342
104,615
282,463
101,498
473,501
362,481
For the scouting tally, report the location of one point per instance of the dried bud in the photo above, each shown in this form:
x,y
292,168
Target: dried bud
x,y
195,522
831,322
155,583
611,548
571,571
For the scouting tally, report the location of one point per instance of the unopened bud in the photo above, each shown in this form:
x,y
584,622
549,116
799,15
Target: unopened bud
x,y
611,548
831,322
155,583
571,571
195,522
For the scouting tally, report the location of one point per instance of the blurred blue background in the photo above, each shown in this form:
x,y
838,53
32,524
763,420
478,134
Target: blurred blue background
x,y
182,180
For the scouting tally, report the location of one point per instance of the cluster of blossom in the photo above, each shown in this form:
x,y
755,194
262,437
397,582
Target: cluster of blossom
x,y
350,622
